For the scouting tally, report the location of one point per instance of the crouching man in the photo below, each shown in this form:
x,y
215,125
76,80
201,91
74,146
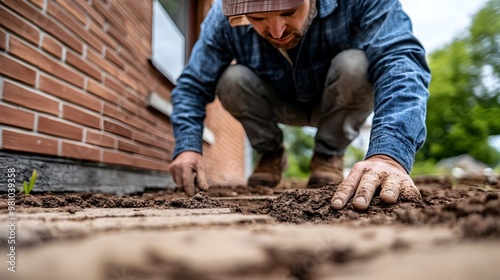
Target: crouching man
x,y
322,63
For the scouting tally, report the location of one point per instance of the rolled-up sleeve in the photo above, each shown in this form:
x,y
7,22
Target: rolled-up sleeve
x,y
400,76
196,85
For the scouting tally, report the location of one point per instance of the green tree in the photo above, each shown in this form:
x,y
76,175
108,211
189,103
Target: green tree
x,y
464,102
299,146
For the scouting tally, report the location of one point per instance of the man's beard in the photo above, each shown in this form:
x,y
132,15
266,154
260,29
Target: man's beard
x,y
297,35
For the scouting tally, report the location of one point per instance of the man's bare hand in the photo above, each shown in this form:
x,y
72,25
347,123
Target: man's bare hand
x,y
366,176
188,171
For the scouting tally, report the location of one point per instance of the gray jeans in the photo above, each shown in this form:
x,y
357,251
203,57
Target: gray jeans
x,y
346,102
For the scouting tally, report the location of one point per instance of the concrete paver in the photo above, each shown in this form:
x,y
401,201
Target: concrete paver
x,y
149,244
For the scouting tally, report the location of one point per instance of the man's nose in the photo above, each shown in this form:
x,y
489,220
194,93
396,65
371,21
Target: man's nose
x,y
276,27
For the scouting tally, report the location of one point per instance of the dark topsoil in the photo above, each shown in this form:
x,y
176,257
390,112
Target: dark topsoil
x,y
471,205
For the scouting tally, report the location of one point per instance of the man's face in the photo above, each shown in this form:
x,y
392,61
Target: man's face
x,y
284,29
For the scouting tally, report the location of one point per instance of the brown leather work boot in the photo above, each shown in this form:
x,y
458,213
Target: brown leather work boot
x,y
325,170
269,169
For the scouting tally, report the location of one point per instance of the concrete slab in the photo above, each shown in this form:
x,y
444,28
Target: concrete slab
x,y
40,227
258,251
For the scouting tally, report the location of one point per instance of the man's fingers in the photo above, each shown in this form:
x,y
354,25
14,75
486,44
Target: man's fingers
x,y
409,192
346,189
201,181
178,179
390,189
188,180
367,186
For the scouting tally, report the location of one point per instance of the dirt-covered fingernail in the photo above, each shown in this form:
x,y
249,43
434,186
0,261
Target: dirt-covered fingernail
x,y
361,199
390,193
337,202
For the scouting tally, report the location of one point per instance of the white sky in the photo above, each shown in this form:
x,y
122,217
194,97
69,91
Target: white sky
x,y
437,22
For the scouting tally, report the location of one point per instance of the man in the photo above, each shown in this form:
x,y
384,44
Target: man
x,y
322,63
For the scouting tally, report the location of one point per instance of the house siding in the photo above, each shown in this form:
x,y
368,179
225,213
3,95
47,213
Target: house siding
x,y
74,81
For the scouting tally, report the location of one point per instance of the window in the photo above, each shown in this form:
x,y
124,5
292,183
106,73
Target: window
x,y
168,39
178,12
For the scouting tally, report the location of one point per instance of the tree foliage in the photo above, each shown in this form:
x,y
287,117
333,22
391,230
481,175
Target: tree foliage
x,y
464,102
299,146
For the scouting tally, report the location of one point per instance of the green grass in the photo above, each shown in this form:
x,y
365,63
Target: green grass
x,y
28,186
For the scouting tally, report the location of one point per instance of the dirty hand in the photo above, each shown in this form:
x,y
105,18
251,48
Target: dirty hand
x,y
188,171
366,176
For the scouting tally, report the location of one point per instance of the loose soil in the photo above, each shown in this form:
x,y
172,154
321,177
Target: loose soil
x,y
470,207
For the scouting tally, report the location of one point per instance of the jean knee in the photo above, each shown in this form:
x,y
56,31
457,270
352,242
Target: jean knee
x,y
348,79
232,89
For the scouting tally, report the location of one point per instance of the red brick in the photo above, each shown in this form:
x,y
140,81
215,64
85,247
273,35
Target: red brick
x,y
114,112
3,40
139,124
146,163
38,3
35,57
120,38
74,10
77,27
152,116
76,115
90,11
25,142
52,47
139,100
118,158
67,93
79,151
57,128
128,57
128,146
99,139
118,129
130,106
29,99
105,65
15,117
163,136
111,56
42,21
135,74
111,83
151,152
99,90
15,70
142,90
110,16
97,30
124,77
82,65
18,26
143,138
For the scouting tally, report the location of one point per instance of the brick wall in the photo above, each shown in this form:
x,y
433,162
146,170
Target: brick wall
x,y
74,83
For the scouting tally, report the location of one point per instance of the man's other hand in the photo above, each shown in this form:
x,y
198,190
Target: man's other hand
x,y
188,171
366,176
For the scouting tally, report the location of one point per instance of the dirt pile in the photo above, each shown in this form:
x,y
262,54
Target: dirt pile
x,y
161,200
200,200
472,206
477,215
302,205
475,211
